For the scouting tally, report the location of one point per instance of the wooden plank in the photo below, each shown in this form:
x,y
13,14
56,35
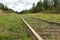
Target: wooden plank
x,y
32,30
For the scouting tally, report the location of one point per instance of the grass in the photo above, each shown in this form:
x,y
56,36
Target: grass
x,y
12,27
51,17
46,30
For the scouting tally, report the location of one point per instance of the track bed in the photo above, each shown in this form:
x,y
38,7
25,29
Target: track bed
x,y
48,31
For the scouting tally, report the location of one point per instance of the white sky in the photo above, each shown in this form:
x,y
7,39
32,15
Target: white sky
x,y
19,5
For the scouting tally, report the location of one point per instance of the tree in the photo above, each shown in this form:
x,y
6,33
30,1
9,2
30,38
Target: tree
x,y
33,8
1,6
39,6
55,3
46,6
6,8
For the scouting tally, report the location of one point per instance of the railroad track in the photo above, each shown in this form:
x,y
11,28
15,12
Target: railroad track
x,y
32,32
49,21
46,29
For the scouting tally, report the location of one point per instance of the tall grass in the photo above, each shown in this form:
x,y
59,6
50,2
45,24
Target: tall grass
x,y
47,16
46,30
12,27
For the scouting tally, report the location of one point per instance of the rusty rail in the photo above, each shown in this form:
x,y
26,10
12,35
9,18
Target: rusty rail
x,y
49,21
36,35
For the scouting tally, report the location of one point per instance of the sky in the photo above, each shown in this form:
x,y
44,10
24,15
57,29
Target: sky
x,y
19,5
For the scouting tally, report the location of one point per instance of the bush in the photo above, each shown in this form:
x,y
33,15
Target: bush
x,y
56,10
1,6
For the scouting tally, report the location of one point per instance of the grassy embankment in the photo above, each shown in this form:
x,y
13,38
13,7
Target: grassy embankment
x,y
12,27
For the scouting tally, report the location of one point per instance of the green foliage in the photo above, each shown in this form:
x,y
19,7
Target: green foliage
x,y
55,3
37,8
51,6
5,8
33,8
1,6
56,10
46,6
12,27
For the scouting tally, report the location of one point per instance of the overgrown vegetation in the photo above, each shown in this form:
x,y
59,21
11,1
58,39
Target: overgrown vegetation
x,y
5,8
48,31
47,16
51,6
12,27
